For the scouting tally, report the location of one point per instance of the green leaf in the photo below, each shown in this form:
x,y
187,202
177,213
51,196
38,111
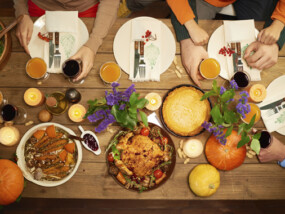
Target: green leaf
x,y
123,118
227,95
216,115
133,113
255,146
257,136
215,87
229,131
141,103
244,140
207,95
241,128
116,153
251,123
19,199
144,118
230,117
133,98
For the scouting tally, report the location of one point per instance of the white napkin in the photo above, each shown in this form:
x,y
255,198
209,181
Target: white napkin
x,y
152,50
66,23
274,121
243,32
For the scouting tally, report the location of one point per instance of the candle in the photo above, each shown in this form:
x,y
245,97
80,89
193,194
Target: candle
x,y
9,135
76,112
154,101
193,148
34,97
257,93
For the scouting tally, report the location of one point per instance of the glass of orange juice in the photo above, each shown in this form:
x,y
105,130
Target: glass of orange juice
x,y
110,72
210,68
254,110
36,68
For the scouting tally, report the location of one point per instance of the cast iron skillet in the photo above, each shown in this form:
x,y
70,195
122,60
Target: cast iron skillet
x,y
170,167
161,115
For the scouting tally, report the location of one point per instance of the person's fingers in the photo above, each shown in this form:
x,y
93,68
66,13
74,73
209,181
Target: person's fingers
x,y
267,64
267,40
254,58
260,63
260,35
194,73
24,40
252,47
75,56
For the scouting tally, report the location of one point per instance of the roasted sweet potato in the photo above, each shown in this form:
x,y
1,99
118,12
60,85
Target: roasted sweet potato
x,y
62,155
70,147
121,178
69,159
51,132
39,134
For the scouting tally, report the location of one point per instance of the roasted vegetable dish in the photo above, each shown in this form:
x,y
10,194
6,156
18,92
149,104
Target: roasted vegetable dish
x,y
141,159
50,155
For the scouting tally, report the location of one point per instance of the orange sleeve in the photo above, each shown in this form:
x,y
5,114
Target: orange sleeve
x,y
279,12
182,10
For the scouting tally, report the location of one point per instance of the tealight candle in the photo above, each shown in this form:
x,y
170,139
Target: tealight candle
x,y
9,135
76,112
34,97
154,101
193,148
257,93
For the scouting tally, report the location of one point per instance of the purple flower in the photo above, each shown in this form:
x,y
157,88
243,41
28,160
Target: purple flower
x,y
234,85
222,90
230,100
122,106
104,124
98,115
244,93
115,84
217,131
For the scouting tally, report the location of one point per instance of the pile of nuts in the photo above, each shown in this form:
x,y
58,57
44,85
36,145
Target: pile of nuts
x,y
181,154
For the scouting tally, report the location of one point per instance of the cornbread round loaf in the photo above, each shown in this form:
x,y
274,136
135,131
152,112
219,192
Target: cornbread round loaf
x,y
184,113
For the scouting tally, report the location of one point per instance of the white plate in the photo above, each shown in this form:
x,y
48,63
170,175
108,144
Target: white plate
x,y
21,157
122,41
37,46
274,87
216,42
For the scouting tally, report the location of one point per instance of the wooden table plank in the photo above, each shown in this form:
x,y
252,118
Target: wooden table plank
x,y
265,181
16,68
107,47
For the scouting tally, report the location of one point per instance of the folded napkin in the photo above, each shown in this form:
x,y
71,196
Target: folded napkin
x,y
152,49
66,23
153,118
243,32
274,122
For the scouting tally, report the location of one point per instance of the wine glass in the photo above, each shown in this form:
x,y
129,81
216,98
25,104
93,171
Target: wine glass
x,y
71,69
13,113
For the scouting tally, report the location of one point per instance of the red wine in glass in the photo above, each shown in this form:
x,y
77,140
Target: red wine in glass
x,y
9,112
242,79
265,139
71,69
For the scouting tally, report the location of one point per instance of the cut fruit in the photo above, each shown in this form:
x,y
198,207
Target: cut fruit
x,y
154,101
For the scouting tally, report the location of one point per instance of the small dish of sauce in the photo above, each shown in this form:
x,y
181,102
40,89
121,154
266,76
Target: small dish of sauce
x,y
91,142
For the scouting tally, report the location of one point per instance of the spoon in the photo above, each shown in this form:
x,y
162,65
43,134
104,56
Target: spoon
x,y
10,26
98,151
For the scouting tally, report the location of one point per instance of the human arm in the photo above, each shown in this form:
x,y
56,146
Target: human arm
x,y
271,34
186,16
274,152
106,16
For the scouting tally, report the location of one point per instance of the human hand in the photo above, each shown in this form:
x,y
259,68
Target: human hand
x,y
87,56
24,31
191,56
274,152
271,34
198,35
265,56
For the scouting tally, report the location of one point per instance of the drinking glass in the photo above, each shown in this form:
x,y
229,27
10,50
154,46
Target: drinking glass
x,y
265,139
242,79
36,68
210,68
13,113
71,69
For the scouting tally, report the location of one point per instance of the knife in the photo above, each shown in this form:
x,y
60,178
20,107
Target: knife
x,y
137,56
51,49
233,48
272,105
239,62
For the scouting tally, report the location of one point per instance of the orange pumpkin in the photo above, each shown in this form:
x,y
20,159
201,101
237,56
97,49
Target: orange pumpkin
x,y
225,157
11,182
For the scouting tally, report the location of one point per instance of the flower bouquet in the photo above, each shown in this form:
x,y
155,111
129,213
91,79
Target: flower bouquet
x,y
226,115
117,106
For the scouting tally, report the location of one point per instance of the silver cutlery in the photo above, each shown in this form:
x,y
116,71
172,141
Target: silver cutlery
x,y
142,63
239,62
275,110
137,58
51,49
57,54
272,105
235,59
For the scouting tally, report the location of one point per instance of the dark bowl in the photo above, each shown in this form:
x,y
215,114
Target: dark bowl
x,y
7,47
161,115
169,171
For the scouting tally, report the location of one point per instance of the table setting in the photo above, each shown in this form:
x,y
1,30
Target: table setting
x,y
134,129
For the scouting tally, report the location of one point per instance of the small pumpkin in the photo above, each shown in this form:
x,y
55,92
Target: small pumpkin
x,y
11,182
204,180
225,157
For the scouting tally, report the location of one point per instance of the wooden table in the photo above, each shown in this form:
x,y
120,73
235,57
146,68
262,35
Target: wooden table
x,y
252,180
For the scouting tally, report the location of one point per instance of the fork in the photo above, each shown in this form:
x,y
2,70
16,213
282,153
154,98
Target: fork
x,y
142,63
275,110
57,54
